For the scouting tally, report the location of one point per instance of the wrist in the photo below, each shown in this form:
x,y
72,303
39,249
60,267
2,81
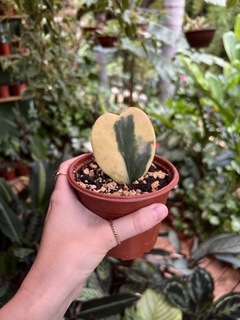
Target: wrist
x,y
45,294
53,288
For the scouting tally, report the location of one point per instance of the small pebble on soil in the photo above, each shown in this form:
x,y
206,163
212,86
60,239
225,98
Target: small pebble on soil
x,y
91,177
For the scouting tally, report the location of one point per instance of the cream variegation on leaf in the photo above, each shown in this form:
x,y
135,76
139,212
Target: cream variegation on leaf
x,y
124,145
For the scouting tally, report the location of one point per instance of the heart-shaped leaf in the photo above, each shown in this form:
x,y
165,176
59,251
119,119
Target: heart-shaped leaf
x,y
124,145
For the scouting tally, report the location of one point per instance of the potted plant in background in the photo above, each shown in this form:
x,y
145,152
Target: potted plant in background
x,y
9,150
7,171
124,149
140,19
6,9
5,48
17,86
109,34
197,31
4,91
89,23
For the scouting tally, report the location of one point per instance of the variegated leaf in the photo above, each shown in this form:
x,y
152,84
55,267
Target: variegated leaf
x,y
124,145
227,307
200,286
156,306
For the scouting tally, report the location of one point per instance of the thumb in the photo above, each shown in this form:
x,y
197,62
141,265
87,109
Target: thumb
x,y
140,220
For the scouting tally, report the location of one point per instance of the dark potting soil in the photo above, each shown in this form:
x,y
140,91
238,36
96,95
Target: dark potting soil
x,y
91,177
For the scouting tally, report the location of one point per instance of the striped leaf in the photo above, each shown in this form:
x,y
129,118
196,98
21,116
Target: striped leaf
x,y
104,273
156,306
124,145
227,307
10,224
200,286
88,293
106,306
177,294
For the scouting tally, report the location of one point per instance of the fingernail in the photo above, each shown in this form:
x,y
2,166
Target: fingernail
x,y
160,211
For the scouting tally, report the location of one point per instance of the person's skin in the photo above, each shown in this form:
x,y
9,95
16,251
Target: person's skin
x,y
74,242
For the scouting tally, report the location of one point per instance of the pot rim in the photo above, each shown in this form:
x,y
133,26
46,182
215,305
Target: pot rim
x,y
88,156
200,30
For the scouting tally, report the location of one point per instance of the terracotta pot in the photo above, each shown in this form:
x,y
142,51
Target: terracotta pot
x,y
22,170
200,38
5,10
8,175
113,207
107,41
4,91
91,29
5,49
16,89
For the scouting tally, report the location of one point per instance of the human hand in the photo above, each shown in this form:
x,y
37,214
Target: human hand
x,y
73,243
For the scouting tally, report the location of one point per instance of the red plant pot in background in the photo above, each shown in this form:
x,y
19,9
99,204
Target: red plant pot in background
x,y
22,170
4,91
5,49
6,10
113,207
8,175
16,89
200,38
107,41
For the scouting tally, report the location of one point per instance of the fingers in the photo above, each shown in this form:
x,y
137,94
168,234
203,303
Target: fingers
x,y
140,221
61,179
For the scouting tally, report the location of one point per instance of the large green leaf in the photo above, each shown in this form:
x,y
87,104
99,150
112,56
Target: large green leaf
x,y
161,252
41,183
237,27
38,148
200,286
106,306
88,293
215,85
130,314
162,33
156,306
104,273
163,119
9,262
6,191
10,224
230,258
230,244
177,294
227,307
182,265
220,244
33,225
231,3
163,66
206,58
230,41
93,283
173,237
132,287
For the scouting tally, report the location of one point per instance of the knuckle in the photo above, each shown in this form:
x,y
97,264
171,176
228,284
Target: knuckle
x,y
139,223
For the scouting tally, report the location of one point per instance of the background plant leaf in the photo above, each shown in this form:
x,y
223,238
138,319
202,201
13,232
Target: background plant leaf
x,y
156,306
107,306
